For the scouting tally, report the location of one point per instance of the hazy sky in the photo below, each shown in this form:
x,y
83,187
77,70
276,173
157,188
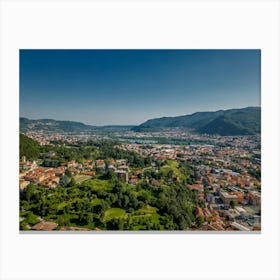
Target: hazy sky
x,y
102,87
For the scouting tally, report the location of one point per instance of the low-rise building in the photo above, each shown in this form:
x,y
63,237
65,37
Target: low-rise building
x,y
45,226
23,184
100,163
227,197
122,174
133,180
254,198
238,226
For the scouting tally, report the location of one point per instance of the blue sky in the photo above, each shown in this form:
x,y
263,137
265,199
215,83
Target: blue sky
x,y
102,87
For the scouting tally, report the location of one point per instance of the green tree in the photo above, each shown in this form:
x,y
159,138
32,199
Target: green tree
x,y
28,148
232,204
65,180
68,173
72,182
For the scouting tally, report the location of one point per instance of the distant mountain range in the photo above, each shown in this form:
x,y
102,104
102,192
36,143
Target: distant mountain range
x,y
65,126
53,125
246,121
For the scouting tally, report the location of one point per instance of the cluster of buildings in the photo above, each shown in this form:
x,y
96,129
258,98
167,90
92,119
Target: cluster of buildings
x,y
48,137
230,193
43,176
50,177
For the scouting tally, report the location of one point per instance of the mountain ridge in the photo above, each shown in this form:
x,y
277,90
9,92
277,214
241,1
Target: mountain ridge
x,y
47,124
53,125
244,121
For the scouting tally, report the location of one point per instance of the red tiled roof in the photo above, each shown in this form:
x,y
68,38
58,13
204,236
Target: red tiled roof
x,y
44,225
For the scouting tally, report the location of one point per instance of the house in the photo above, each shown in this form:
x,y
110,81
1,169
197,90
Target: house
x,y
71,163
227,197
73,170
199,212
86,172
47,177
123,167
137,172
111,162
79,166
23,184
133,180
44,225
240,197
121,162
198,187
254,198
238,226
51,182
27,165
35,177
122,174
100,163
59,171
88,164
112,167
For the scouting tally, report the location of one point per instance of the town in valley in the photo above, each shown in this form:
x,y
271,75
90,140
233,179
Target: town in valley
x,y
116,180
165,140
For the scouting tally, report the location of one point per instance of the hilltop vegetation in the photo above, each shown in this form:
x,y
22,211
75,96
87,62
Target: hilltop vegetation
x,y
78,152
28,147
245,121
241,122
111,205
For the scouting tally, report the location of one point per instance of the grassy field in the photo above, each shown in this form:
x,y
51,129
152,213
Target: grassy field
x,y
101,184
172,163
81,178
174,166
146,212
147,209
114,213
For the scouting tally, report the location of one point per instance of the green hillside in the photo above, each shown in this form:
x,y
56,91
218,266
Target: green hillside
x,y
28,147
67,126
244,121
53,125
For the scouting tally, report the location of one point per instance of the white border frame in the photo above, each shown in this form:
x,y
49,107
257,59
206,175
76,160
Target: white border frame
x,y
139,24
